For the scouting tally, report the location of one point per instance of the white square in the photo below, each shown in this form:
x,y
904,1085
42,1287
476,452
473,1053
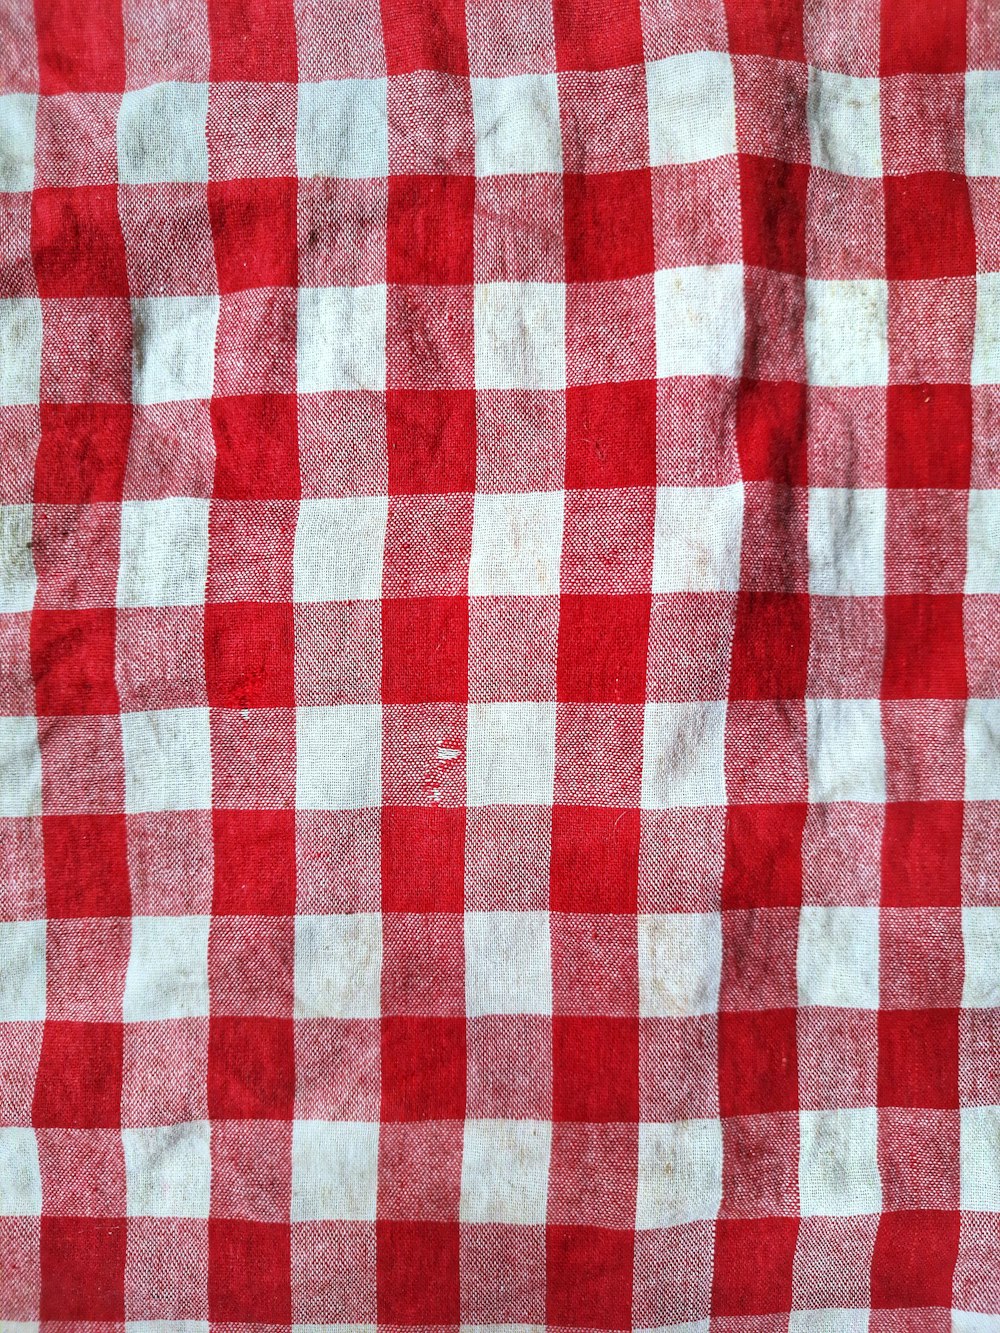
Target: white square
x,y
982,115
847,331
845,750
167,1326
173,347
339,753
698,539
168,760
980,1158
699,320
974,1321
517,125
680,964
982,569
520,335
343,129
511,757
22,971
692,107
340,549
986,346
168,1170
516,544
981,936
341,338
20,768
982,750
161,134
20,1177
338,965
20,350
17,568
164,552
847,542
838,957
167,969
334,1170
838,1163
508,963
845,129
17,142
505,1172
853,1320
680,1173
683,755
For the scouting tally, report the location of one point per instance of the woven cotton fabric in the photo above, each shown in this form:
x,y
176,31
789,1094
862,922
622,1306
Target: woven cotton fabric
x,y
499,721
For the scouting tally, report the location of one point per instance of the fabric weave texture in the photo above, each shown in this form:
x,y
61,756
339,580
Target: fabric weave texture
x,y
499,685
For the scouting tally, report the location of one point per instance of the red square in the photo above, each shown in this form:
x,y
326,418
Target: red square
x,y
254,862
423,1068
78,56
595,859
928,226
929,435
752,1272
923,39
252,41
766,28
73,661
763,865
86,866
431,437
250,655
425,35
425,650
251,1068
82,1268
588,37
76,242
79,1084
423,859
924,647
589,1274
254,227
418,1276
602,649
913,1264
595,1068
611,435
773,201
770,646
918,1057
82,452
758,1062
922,854
608,225
771,431
430,223
256,447
249,1271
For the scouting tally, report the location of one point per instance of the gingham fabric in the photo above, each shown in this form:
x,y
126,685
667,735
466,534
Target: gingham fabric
x,y
499,673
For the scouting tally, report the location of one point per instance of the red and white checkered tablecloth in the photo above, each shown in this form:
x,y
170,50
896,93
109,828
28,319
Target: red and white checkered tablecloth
x,y
500,666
